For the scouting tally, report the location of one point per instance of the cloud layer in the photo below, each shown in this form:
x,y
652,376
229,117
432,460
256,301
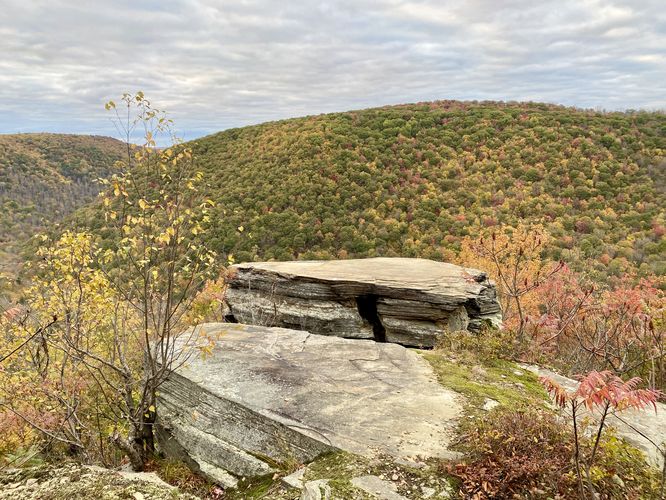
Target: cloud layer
x,y
216,64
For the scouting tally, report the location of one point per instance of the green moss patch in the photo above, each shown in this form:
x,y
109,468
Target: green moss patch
x,y
266,487
341,467
500,380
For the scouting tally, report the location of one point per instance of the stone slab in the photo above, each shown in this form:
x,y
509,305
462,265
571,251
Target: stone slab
x,y
281,394
407,301
377,488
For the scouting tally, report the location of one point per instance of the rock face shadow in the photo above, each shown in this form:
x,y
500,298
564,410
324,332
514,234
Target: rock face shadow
x,y
367,309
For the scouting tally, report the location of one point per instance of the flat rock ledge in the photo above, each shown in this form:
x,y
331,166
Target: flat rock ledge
x,y
271,395
406,301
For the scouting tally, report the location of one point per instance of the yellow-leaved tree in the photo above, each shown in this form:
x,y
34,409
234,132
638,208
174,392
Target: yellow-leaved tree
x,y
104,324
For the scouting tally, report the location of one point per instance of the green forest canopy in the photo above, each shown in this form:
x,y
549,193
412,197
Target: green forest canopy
x,y
412,180
44,178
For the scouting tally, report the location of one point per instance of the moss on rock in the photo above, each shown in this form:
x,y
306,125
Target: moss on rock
x,y
498,380
65,482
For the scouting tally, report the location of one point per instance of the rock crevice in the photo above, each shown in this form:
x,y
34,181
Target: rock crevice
x,y
367,309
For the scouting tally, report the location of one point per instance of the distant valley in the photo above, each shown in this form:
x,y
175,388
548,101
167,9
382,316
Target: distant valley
x,y
43,179
409,180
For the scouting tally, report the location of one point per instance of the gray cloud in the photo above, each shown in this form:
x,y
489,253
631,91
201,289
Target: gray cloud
x,y
215,64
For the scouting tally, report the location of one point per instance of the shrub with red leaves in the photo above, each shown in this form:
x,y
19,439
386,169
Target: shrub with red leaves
x,y
605,392
529,454
516,453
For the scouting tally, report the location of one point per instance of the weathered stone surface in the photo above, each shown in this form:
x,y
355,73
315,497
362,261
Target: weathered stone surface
x,y
340,319
407,301
71,480
377,488
412,332
316,490
643,429
267,395
295,479
219,435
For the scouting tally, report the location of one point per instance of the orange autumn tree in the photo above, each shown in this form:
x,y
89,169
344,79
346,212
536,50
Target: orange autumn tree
x,y
513,258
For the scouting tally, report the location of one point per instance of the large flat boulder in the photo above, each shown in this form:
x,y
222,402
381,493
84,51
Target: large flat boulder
x,y
269,395
406,301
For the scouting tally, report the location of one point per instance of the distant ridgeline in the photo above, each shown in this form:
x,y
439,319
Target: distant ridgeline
x,y
45,177
413,180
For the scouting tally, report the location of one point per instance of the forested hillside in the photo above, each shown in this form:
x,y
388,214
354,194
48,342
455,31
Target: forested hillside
x,y
45,177
516,190
413,180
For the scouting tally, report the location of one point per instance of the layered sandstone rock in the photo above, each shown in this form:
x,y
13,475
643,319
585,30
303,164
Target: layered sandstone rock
x,y
407,301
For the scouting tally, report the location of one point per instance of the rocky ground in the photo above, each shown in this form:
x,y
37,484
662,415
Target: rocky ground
x,y
335,476
288,395
345,476
74,481
291,414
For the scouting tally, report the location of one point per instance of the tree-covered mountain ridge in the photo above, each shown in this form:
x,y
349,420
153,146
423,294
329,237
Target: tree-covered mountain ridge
x,y
105,317
414,179
44,178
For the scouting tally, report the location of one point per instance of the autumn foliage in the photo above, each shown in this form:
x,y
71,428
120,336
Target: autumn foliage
x,y
415,180
529,454
100,328
597,389
514,259
585,327
604,392
514,454
566,318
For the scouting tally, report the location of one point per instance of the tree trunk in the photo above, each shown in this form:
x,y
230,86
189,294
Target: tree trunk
x,y
133,448
579,476
521,327
147,434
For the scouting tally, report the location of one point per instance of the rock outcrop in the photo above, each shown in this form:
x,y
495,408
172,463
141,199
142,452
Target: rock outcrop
x,y
75,481
399,300
270,395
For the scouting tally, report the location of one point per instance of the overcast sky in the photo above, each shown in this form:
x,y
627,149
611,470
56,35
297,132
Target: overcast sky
x,y
216,64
